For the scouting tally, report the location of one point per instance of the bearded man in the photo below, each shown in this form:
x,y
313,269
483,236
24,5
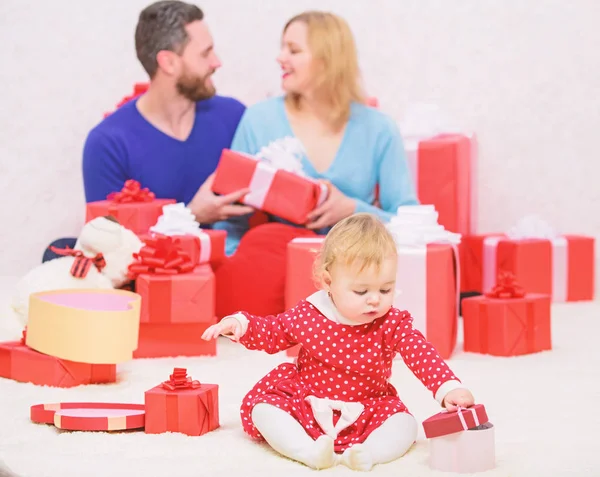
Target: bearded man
x,y
170,138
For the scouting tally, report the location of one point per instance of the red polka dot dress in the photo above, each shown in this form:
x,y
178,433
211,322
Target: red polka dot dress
x,y
339,383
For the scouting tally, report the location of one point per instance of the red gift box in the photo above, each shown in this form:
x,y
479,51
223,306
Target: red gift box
x,y
23,364
427,279
207,247
299,281
182,298
445,423
275,191
443,172
507,321
562,267
168,340
172,288
133,207
182,405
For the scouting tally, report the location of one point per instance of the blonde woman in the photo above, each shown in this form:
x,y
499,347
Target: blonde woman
x,y
354,147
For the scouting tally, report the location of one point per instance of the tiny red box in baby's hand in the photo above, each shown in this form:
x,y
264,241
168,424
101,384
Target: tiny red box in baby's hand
x,y
444,423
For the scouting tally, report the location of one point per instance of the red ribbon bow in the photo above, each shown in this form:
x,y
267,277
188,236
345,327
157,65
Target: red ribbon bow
x,y
81,265
506,287
161,256
180,380
131,192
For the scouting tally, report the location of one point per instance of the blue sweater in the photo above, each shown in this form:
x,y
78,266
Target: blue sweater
x,y
126,146
371,154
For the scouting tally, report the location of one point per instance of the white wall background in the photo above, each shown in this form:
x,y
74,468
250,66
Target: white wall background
x,y
524,75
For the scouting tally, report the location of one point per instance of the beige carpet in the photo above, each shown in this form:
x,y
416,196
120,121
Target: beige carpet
x,y
544,407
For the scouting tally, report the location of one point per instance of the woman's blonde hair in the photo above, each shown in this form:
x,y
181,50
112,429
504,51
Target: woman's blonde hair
x,y
360,240
332,45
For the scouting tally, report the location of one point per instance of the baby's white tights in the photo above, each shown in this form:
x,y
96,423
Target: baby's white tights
x,y
285,435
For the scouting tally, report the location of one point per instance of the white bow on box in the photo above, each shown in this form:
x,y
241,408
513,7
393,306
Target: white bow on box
x,y
177,219
417,225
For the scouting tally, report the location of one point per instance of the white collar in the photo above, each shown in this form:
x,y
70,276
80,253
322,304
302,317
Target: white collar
x,y
322,302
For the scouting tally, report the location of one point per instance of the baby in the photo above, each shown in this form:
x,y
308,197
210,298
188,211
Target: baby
x,y
335,404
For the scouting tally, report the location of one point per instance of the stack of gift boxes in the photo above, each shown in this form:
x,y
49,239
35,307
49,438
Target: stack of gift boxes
x,y
172,273
549,267
57,348
452,260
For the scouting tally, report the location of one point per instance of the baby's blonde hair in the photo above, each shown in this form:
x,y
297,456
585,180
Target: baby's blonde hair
x,y
360,240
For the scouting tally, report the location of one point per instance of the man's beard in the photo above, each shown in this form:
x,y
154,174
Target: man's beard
x,y
194,87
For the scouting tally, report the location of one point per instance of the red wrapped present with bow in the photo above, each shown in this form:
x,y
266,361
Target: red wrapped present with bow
x,y
178,300
506,321
183,405
462,441
202,245
277,186
135,207
21,363
542,260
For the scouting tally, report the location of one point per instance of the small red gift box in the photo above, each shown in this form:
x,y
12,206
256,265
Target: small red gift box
x,y
206,247
562,267
443,172
23,364
134,208
445,422
182,405
173,289
275,191
506,321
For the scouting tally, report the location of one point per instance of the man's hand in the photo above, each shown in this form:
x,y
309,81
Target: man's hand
x,y
209,207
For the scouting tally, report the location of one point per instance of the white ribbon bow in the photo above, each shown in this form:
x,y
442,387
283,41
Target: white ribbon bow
x,y
323,412
177,219
285,154
417,225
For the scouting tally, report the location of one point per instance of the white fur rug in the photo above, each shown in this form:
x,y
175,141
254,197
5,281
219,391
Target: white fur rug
x,y
543,407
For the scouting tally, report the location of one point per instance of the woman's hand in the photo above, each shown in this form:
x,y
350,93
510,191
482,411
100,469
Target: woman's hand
x,y
227,326
458,398
336,207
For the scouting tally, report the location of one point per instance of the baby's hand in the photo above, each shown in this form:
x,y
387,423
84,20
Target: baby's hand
x,y
458,398
227,326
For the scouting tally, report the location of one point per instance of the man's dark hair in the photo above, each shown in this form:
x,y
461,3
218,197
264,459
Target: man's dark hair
x,y
161,26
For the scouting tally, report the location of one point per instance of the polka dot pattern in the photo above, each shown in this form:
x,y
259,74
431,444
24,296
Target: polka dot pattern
x,y
340,362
